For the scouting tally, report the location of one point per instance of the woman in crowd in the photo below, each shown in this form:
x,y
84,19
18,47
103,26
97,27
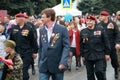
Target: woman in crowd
x,y
74,35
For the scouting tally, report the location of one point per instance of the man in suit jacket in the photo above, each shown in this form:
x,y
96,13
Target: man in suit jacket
x,y
54,47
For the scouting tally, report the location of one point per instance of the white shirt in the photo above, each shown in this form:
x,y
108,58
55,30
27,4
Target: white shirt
x,y
73,44
49,32
38,36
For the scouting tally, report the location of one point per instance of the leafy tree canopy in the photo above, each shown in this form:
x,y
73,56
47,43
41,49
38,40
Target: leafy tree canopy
x,y
95,6
29,6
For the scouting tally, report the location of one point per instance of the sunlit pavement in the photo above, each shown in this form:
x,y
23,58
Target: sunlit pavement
x,y
77,74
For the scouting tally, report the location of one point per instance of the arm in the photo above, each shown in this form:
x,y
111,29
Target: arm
x,y
66,47
33,42
40,48
106,46
106,42
17,64
81,45
117,34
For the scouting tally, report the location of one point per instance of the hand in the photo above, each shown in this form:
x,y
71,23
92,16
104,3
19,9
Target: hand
x,y
34,56
83,59
7,61
117,46
10,67
107,57
61,67
111,24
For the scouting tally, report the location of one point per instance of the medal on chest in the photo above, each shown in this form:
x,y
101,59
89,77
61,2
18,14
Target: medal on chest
x,y
97,32
25,32
44,37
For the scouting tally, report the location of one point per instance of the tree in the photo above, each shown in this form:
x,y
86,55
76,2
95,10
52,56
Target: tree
x,y
58,1
30,6
44,4
90,6
95,6
111,5
15,6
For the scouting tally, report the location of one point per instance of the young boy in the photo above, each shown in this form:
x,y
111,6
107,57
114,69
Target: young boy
x,y
13,71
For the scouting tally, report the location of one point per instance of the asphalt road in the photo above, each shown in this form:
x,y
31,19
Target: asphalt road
x,y
77,74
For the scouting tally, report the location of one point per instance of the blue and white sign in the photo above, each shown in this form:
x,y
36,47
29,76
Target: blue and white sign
x,y
66,4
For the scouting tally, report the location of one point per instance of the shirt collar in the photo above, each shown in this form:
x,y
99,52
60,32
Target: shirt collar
x,y
51,27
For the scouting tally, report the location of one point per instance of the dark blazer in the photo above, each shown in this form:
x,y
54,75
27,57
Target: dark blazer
x,y
52,55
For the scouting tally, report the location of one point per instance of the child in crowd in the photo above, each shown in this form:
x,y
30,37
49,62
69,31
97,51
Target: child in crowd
x,y
11,71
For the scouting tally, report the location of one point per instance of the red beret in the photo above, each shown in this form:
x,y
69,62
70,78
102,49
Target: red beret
x,y
25,14
104,13
20,15
91,17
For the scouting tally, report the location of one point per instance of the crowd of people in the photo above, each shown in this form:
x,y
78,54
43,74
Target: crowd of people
x,y
91,39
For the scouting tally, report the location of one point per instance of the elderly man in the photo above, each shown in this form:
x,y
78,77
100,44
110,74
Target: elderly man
x,y
26,43
113,36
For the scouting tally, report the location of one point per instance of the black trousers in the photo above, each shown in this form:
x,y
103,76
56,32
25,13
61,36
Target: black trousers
x,y
27,60
96,67
114,58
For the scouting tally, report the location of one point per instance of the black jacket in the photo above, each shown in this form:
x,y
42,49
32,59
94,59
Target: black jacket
x,y
94,43
26,43
113,33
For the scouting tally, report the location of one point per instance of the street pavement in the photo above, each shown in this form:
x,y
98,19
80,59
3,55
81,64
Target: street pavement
x,y
77,74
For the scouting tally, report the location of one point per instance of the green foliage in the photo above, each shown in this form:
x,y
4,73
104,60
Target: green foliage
x,y
13,6
90,6
95,6
29,6
111,5
58,1
44,4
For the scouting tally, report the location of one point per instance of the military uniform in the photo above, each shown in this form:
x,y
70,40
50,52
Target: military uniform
x,y
26,45
16,73
114,38
93,47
